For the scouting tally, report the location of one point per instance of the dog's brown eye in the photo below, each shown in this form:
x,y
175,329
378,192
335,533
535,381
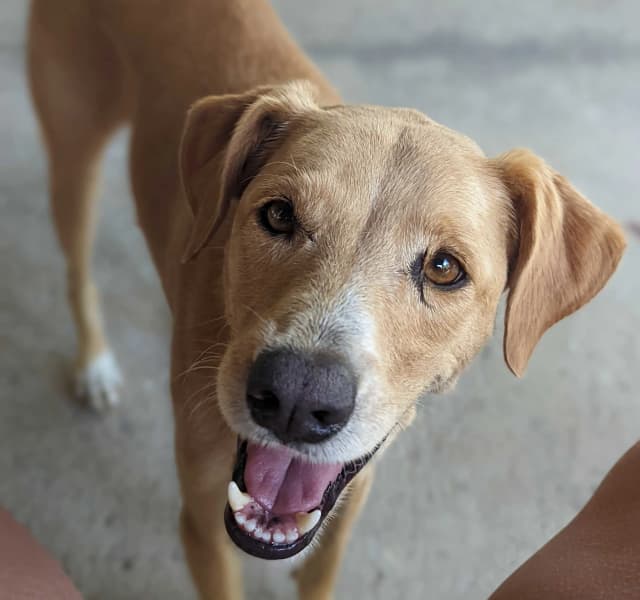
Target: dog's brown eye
x,y
277,217
444,270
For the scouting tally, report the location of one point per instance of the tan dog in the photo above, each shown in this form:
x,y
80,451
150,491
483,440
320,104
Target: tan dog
x,y
325,264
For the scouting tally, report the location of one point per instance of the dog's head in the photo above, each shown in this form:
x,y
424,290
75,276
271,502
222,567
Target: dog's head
x,y
368,250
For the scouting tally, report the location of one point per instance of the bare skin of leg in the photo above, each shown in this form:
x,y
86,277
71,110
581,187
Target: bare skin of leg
x,y
317,577
78,113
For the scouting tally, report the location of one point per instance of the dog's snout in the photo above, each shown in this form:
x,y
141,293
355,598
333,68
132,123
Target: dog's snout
x,y
301,398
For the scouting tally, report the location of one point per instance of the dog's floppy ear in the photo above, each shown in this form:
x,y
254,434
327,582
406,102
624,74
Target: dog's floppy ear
x,y
226,141
565,252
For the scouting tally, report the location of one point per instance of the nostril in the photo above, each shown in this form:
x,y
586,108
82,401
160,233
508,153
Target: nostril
x,y
265,402
324,417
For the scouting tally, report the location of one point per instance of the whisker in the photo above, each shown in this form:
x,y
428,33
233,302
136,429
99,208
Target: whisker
x,y
253,311
207,322
206,355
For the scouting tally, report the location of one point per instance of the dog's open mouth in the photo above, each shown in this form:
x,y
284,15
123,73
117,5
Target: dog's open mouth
x,y
277,501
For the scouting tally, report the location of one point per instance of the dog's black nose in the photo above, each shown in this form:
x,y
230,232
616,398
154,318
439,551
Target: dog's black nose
x,y
300,398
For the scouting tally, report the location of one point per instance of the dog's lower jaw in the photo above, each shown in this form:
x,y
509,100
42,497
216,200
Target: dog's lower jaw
x,y
214,561
282,521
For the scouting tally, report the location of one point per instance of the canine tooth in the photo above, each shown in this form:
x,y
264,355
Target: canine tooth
x,y
307,521
278,537
237,499
250,525
291,537
240,518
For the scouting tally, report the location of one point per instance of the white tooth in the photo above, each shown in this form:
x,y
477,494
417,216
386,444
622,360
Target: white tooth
x,y
237,499
240,518
266,536
292,536
250,525
307,521
278,537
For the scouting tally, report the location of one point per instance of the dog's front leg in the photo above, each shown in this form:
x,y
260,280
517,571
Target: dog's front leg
x,y
317,576
211,559
210,553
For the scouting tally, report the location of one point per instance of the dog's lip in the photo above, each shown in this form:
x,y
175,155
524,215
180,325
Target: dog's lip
x,y
270,551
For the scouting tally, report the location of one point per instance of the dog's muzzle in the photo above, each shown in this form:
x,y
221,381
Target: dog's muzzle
x,y
277,499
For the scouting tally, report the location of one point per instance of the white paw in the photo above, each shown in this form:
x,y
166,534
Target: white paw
x,y
98,384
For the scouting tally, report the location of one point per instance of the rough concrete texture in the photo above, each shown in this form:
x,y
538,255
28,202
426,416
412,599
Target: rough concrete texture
x,y
488,472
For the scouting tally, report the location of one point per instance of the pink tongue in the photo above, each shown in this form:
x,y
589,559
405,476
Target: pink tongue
x,y
283,484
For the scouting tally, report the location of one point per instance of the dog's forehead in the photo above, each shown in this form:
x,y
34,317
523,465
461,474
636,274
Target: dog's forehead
x,y
375,151
386,129
393,167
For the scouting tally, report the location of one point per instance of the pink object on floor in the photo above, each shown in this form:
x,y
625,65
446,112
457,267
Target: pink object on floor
x,y
27,570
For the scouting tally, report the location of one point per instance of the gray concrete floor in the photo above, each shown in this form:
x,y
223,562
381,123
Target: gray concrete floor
x,y
488,472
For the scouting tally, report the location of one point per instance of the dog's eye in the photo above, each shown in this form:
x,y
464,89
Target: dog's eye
x,y
277,217
444,270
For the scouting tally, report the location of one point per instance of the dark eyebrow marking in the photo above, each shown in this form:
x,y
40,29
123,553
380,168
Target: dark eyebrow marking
x,y
417,275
